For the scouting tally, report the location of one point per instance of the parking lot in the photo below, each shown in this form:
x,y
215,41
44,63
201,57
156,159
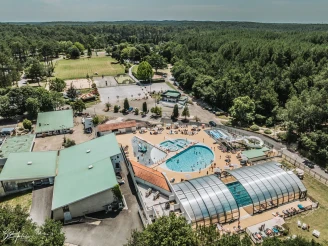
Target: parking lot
x,y
55,142
110,229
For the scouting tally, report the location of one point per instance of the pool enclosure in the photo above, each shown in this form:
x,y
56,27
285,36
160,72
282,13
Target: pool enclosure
x,y
207,200
268,186
210,199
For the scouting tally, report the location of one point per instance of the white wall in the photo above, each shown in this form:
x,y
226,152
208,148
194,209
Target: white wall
x,y
141,181
120,160
88,205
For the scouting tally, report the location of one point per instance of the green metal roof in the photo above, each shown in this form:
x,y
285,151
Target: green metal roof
x,y
75,181
254,153
54,120
16,144
171,93
17,167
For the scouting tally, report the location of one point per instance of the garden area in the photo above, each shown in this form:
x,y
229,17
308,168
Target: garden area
x,y
124,79
23,199
79,68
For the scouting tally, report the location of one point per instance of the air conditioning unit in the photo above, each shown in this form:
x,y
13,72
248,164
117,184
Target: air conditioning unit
x,y
88,151
90,167
29,163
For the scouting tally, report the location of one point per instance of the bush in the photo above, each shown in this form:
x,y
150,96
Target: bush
x,y
27,124
116,108
267,131
95,120
269,122
68,143
94,86
136,111
282,136
254,128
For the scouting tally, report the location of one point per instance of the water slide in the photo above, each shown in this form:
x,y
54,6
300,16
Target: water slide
x,y
256,143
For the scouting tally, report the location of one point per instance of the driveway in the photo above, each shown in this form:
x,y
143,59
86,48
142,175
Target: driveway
x,y
41,205
112,229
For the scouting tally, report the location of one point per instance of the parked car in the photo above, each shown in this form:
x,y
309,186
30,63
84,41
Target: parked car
x,y
308,163
212,123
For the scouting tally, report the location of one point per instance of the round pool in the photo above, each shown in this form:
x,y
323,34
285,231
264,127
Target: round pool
x,y
191,159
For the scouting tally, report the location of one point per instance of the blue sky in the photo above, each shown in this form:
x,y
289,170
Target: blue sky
x,y
298,11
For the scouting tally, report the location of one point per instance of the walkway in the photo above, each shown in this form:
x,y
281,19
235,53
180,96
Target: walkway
x,y
131,75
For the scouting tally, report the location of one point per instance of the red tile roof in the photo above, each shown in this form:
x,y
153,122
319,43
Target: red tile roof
x,y
150,175
115,126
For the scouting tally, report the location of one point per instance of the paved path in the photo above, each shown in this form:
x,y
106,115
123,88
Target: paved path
x,y
131,75
41,205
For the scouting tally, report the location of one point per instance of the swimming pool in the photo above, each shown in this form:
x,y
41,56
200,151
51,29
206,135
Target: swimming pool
x,y
240,194
218,134
174,145
192,159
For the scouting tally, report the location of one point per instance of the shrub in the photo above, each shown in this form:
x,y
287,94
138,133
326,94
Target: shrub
x,y
116,108
95,120
282,136
269,122
68,142
267,131
136,111
94,86
255,128
27,124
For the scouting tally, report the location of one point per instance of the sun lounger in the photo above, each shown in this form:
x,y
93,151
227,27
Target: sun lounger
x,y
258,235
316,233
304,226
285,212
300,206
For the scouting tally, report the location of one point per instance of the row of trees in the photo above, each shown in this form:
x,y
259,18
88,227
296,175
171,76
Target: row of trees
x,y
173,230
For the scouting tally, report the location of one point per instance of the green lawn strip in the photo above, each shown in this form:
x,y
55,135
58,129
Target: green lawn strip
x,y
171,86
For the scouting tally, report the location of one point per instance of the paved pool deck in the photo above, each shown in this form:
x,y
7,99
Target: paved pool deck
x,y
201,137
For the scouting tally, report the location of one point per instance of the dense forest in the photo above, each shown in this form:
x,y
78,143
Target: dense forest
x,y
267,74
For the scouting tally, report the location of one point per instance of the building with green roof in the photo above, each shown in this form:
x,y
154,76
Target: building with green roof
x,y
54,122
21,169
85,177
171,96
255,154
15,144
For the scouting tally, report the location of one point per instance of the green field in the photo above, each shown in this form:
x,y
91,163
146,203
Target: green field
x,y
73,69
317,219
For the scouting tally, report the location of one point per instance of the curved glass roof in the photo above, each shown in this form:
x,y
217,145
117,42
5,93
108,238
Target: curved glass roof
x,y
206,197
268,182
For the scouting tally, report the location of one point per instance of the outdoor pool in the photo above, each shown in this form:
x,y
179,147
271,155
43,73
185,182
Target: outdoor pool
x,y
191,160
174,145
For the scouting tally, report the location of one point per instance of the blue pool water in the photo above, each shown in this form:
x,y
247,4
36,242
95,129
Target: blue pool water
x,y
174,145
240,194
218,134
192,159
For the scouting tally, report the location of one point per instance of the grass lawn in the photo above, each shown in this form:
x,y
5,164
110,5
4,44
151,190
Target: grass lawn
x,y
135,69
24,199
79,68
317,219
171,86
124,79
